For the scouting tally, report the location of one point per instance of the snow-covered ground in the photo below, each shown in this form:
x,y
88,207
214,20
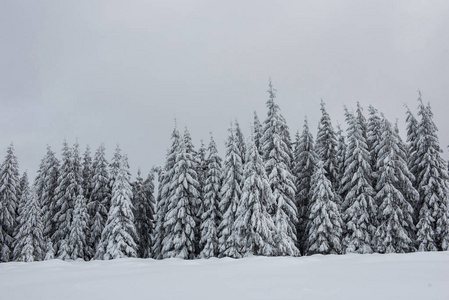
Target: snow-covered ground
x,y
392,276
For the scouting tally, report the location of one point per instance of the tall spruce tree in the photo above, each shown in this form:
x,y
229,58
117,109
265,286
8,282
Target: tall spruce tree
x,y
87,173
23,183
210,216
240,140
324,225
373,140
179,222
119,234
165,191
148,192
359,206
254,228
340,164
99,201
326,146
278,165
29,240
142,217
78,238
231,191
114,166
69,188
395,211
258,132
45,184
432,183
9,189
412,147
305,164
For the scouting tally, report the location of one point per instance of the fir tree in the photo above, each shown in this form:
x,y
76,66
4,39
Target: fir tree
x,y
78,231
373,140
412,148
46,183
9,188
258,132
240,140
326,146
69,188
432,182
254,228
231,191
142,216
99,201
278,155
87,174
148,192
165,191
179,222
29,241
119,234
340,163
359,206
114,166
324,228
210,216
395,211
305,164
23,183
197,202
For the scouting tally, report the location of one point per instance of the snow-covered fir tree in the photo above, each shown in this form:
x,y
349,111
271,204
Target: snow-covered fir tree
x,y
326,146
395,211
9,188
230,192
29,240
23,183
361,120
412,148
305,164
114,166
211,200
258,132
240,140
165,191
119,234
142,217
432,183
87,173
148,191
278,155
45,184
179,222
69,188
340,163
359,206
254,228
197,202
373,139
99,201
78,238
324,226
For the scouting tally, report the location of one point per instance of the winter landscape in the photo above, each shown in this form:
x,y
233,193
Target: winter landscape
x,y
328,182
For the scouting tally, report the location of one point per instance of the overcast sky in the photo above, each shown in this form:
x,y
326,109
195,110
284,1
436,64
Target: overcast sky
x,y
122,71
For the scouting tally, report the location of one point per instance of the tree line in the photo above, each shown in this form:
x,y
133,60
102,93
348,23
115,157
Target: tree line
x,y
361,192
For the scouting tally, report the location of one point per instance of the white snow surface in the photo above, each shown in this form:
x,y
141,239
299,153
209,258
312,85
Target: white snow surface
x,y
353,276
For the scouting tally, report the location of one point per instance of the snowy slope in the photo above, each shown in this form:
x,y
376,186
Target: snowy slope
x,y
392,276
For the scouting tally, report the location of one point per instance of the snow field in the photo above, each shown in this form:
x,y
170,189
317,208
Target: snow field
x,y
353,276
